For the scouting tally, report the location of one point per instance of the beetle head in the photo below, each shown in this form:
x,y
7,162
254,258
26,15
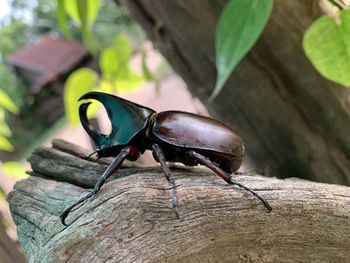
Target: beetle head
x,y
127,119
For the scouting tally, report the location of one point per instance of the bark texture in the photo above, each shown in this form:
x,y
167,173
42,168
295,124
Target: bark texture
x,y
294,122
131,219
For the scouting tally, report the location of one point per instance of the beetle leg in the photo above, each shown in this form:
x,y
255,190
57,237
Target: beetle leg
x,y
161,158
66,212
111,169
216,169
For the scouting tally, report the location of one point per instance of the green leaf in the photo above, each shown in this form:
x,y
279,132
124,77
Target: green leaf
x,y
82,6
114,64
4,129
71,7
79,82
84,13
83,10
327,45
62,19
2,114
115,58
128,81
15,170
109,63
123,45
239,26
7,103
5,144
93,9
106,86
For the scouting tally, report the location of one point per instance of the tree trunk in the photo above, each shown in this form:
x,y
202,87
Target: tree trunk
x,y
131,219
294,122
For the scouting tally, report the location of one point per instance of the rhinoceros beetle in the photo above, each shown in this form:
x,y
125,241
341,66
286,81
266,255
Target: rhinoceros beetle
x,y
174,136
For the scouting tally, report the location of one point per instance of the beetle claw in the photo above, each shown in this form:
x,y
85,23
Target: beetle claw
x,y
266,205
67,211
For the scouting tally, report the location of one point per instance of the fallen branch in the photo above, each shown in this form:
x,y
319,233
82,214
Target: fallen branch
x,y
131,219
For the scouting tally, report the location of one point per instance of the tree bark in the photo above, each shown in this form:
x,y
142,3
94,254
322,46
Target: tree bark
x,y
131,219
294,122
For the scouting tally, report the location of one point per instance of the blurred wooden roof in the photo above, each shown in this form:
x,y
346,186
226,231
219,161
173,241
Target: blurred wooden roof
x,y
47,60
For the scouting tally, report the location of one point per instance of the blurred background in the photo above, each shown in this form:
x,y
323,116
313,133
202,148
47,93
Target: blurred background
x,y
48,58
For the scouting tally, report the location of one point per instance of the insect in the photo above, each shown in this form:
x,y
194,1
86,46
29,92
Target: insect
x,y
171,136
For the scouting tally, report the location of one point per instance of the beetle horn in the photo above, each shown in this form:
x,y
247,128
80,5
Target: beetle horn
x,y
127,118
98,138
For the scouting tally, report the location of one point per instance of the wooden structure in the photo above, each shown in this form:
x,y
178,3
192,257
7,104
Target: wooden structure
x,y
46,61
44,66
131,219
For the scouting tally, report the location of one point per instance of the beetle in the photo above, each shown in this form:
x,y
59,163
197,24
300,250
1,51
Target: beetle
x,y
174,136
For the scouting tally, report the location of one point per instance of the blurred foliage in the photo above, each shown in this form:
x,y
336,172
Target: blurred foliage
x,y
327,45
114,58
82,13
27,21
15,31
5,144
4,128
96,22
116,76
79,82
13,36
30,19
14,170
6,104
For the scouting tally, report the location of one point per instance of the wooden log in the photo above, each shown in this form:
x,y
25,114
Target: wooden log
x,y
131,218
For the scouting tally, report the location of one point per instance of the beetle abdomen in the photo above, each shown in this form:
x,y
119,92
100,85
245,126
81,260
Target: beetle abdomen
x,y
197,132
